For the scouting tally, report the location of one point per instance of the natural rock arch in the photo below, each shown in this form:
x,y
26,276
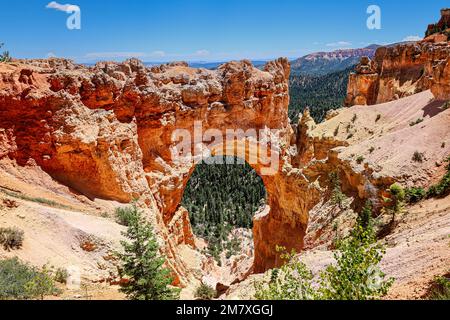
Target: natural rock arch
x,y
271,226
251,99
106,131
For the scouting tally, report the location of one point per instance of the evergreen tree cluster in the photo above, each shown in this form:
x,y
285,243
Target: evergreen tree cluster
x,y
220,197
318,93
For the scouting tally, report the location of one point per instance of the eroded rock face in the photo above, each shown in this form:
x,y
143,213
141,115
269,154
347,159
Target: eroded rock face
x,y
442,26
401,71
107,132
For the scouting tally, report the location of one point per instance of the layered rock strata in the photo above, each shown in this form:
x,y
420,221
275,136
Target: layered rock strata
x,y
400,71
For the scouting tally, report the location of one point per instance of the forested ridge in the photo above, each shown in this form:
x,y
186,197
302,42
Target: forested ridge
x,y
318,93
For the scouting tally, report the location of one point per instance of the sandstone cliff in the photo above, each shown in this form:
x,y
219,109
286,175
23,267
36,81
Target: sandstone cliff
x,y
403,70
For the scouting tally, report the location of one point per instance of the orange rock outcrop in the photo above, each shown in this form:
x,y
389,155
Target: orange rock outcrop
x,y
403,70
106,132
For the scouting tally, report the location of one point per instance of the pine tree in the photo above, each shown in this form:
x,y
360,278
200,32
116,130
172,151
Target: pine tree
x,y
142,265
337,196
4,57
365,219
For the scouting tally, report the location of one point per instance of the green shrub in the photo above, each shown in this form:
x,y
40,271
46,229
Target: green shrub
x,y
442,189
205,292
398,195
4,57
412,124
446,105
365,219
14,275
11,238
61,275
414,195
124,215
418,157
293,281
41,285
378,118
360,160
336,131
397,201
440,289
355,275
21,281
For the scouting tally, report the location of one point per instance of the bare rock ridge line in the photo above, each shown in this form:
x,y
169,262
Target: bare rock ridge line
x,y
400,71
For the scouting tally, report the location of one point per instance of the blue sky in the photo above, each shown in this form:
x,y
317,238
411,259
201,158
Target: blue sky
x,y
206,30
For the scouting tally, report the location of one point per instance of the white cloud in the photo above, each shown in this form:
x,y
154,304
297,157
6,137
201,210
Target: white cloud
x,y
61,7
114,55
50,55
412,38
202,53
339,44
158,54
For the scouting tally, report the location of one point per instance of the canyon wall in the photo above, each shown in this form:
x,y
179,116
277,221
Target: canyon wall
x,y
112,132
403,70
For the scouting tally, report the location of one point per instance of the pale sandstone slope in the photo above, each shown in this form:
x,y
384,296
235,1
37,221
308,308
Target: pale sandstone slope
x,y
393,139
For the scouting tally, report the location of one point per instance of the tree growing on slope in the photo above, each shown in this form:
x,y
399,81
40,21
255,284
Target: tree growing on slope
x,y
355,275
142,264
4,57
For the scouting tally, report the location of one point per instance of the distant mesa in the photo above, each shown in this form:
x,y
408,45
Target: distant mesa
x,y
323,63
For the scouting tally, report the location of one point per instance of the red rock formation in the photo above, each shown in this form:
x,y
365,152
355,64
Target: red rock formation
x,y
403,70
106,132
442,26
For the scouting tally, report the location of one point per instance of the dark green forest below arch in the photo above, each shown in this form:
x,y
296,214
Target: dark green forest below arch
x,y
221,197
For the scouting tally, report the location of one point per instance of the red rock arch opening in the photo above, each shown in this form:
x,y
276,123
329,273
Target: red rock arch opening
x,y
222,197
